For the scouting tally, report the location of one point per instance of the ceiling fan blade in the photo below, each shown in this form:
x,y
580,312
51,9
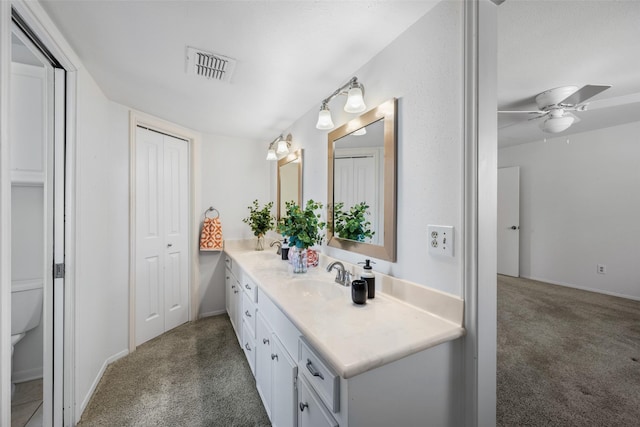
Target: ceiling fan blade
x,y
519,112
613,102
584,93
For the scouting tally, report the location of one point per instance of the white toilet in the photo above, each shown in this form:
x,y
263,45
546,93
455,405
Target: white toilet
x,y
26,310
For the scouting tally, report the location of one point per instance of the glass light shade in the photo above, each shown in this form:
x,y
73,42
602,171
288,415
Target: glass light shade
x,y
271,154
324,120
360,132
557,124
282,147
355,101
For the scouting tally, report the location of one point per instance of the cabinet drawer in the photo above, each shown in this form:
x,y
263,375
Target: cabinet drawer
x,y
232,266
249,348
250,288
323,380
311,411
249,314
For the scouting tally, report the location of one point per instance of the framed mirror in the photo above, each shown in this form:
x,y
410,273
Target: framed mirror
x,y
361,200
289,180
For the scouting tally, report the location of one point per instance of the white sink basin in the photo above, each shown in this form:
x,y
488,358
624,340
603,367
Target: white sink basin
x,y
327,289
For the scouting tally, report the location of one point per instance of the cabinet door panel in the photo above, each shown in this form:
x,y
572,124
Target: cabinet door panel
x,y
284,394
311,411
263,361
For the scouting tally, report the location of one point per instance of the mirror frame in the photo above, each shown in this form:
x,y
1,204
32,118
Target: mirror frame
x,y
291,157
386,111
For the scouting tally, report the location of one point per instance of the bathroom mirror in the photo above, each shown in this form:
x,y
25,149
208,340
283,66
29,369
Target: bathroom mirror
x,y
289,180
362,174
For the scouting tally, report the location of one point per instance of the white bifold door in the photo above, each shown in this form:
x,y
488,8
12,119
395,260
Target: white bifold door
x,y
161,228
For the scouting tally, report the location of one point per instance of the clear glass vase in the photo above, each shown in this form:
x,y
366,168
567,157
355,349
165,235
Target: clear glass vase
x,y
298,257
260,243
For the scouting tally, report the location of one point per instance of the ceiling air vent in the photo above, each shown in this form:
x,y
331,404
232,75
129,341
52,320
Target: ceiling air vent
x,y
209,65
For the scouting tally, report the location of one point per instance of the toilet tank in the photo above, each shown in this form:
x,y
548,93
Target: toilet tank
x,y
26,305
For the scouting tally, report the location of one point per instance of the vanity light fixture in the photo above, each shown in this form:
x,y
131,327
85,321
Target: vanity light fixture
x,y
280,145
355,103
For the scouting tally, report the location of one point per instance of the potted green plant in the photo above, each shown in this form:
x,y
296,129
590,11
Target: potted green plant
x,y
303,228
260,221
352,224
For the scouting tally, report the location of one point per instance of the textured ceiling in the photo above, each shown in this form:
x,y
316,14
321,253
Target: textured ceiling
x,y
544,44
291,54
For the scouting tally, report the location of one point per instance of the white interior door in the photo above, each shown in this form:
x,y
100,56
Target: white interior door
x,y
509,221
162,273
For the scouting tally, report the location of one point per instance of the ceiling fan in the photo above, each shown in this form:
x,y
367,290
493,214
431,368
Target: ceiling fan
x,y
555,106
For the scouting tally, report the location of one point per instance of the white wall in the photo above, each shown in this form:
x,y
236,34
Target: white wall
x,y
579,207
102,246
234,173
423,68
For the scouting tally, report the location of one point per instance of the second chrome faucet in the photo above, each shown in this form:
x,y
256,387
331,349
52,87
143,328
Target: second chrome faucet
x,y
342,276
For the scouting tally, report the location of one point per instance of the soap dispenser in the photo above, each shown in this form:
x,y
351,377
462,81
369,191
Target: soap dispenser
x,y
284,251
368,276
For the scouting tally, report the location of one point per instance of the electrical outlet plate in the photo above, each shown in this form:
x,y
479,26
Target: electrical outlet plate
x,y
601,269
440,238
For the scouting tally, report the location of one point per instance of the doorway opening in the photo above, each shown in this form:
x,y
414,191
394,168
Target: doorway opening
x,y
37,128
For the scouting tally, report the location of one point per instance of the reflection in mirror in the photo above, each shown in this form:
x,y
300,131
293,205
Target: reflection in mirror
x,y
289,180
358,181
361,190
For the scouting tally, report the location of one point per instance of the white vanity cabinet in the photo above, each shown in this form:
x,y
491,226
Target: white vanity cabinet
x,y
302,385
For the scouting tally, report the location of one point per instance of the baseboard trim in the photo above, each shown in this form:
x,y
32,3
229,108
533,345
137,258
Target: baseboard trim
x,y
27,375
97,379
212,313
582,288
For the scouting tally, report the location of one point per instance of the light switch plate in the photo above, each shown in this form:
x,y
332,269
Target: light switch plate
x,y
440,238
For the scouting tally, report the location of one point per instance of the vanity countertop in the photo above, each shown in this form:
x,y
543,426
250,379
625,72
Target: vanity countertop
x,y
354,338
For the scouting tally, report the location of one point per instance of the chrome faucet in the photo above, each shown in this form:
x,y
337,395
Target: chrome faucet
x,y
342,276
279,243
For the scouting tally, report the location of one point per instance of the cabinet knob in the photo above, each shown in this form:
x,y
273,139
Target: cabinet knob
x,y
265,341
274,356
303,405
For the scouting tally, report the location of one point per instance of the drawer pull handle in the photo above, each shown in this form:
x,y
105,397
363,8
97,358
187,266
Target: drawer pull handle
x,y
246,345
274,356
313,370
235,292
247,313
265,341
247,286
303,405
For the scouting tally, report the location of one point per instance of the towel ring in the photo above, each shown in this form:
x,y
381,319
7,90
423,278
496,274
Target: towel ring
x,y
211,209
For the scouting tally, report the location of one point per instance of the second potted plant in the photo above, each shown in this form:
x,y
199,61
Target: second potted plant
x,y
303,228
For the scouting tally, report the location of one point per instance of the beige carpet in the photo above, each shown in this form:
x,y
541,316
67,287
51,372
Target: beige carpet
x,y
566,357
194,375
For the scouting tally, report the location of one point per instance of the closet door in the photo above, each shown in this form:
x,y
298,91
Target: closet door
x,y
176,202
162,273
